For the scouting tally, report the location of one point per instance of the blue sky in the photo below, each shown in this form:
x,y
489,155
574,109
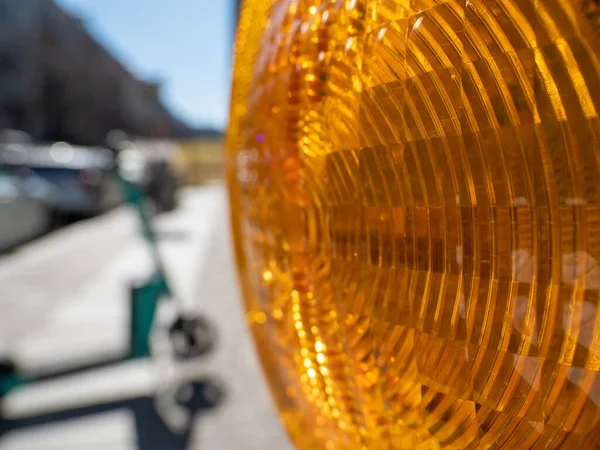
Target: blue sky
x,y
187,47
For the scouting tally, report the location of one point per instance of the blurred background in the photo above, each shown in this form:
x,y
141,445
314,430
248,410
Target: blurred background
x,y
98,96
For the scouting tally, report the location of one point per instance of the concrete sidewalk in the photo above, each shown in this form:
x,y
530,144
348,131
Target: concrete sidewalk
x,y
99,257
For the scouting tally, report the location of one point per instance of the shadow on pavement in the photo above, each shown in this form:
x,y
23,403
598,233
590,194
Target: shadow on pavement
x,y
151,429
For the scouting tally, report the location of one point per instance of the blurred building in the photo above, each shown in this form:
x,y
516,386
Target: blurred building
x,y
58,83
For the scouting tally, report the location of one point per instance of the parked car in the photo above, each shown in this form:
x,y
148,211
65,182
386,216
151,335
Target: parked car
x,y
83,177
26,204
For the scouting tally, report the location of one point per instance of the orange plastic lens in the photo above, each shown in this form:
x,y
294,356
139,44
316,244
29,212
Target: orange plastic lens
x,y
415,194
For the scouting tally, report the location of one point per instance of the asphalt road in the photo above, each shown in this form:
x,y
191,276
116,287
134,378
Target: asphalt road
x,y
64,301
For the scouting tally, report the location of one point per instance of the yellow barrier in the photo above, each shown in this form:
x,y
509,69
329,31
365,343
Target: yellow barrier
x,y
199,161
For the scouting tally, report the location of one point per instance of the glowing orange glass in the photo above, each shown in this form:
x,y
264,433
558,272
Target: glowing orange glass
x,y
415,195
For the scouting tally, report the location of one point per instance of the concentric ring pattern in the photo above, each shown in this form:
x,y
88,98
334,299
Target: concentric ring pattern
x,y
415,194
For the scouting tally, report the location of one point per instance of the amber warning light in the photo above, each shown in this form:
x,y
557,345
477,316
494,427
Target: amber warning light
x,y
415,200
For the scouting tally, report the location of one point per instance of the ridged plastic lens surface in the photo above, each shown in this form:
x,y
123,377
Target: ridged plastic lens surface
x,y
415,194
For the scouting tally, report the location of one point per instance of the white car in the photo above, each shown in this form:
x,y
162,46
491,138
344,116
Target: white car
x,y
25,212
83,177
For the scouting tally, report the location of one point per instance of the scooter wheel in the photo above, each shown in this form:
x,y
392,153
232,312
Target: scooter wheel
x,y
192,337
7,367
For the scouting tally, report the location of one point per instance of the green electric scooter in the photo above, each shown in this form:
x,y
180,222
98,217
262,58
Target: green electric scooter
x,y
189,336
